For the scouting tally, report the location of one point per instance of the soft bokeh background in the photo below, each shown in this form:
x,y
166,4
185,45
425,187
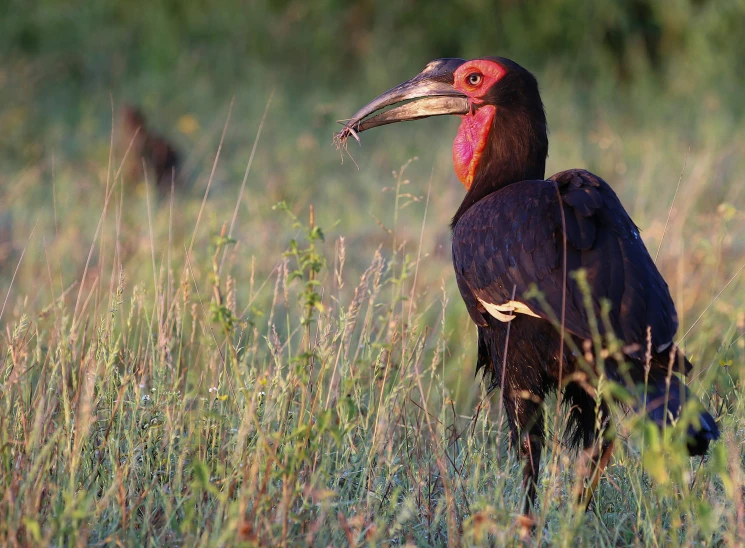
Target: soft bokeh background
x,y
634,91
647,93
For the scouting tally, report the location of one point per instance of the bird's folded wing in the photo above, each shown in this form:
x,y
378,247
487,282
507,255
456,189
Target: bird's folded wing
x,y
512,241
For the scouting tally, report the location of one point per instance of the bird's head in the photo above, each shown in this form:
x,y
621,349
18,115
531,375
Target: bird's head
x,y
502,137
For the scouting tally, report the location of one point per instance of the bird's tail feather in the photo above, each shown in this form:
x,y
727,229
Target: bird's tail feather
x,y
664,405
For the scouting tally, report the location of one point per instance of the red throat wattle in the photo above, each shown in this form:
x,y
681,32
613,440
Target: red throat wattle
x,y
470,143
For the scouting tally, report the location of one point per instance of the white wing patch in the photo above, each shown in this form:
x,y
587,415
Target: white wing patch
x,y
506,312
661,348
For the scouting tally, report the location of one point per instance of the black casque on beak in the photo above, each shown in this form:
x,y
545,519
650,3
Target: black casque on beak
x,y
432,94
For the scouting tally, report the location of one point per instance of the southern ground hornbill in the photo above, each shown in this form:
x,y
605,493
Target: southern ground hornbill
x,y
518,239
159,154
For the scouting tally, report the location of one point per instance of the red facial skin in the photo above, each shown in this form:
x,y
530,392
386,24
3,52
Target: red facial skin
x,y
474,78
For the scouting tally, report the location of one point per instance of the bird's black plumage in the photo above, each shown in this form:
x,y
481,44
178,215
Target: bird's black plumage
x,y
512,241
515,232
159,153
519,242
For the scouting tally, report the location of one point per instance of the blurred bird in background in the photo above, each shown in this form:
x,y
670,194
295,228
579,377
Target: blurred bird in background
x,y
159,154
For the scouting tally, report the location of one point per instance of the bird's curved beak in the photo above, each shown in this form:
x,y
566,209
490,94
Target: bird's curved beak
x,y
431,93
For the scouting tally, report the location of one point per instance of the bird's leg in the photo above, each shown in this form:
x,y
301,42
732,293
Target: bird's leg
x,y
599,459
598,451
531,447
525,416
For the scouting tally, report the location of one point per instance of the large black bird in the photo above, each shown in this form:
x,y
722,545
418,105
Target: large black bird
x,y
517,232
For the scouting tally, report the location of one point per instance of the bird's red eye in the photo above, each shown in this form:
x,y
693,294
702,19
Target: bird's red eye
x,y
474,79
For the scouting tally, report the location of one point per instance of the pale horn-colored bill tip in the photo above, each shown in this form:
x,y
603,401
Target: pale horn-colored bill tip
x,y
429,93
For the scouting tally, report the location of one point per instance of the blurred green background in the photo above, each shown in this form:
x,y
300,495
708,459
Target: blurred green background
x,y
633,90
122,417
636,63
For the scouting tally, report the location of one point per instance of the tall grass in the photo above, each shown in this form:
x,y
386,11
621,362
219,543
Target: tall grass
x,y
217,365
176,395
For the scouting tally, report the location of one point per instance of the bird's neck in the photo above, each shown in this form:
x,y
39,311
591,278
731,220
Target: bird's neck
x,y
516,151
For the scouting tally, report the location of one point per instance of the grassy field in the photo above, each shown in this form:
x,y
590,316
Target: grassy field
x,y
276,352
